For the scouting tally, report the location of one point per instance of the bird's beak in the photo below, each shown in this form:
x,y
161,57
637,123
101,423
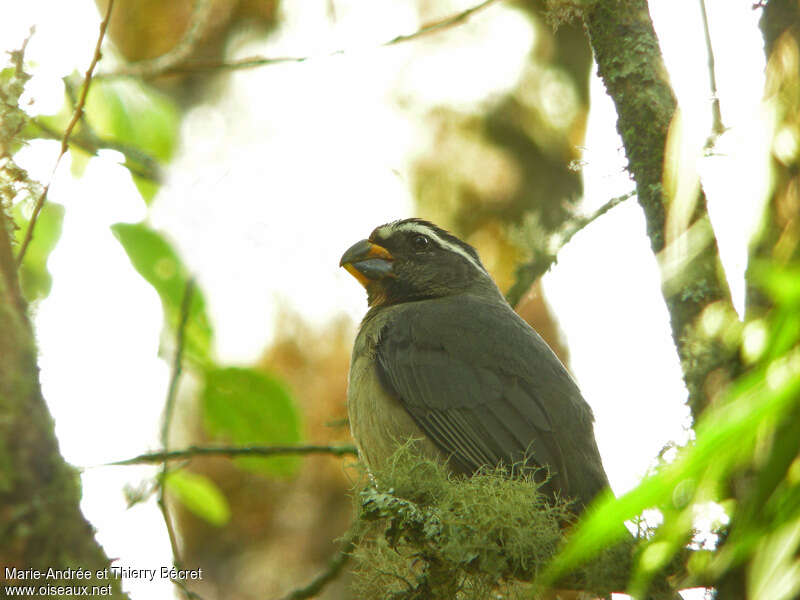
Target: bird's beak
x,y
367,262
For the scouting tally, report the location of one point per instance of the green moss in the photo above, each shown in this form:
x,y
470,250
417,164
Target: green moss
x,y
425,533
564,12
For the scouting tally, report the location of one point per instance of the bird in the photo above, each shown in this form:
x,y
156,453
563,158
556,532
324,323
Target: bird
x,y
442,358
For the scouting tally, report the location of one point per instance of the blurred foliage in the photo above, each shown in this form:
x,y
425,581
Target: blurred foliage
x,y
12,117
155,260
147,29
199,494
127,116
131,114
750,433
251,407
243,406
504,175
282,530
778,235
18,192
423,533
34,278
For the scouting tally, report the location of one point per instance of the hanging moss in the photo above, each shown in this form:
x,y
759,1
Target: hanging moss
x,y
424,533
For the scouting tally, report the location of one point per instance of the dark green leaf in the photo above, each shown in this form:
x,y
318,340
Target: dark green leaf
x,y
247,407
155,260
200,495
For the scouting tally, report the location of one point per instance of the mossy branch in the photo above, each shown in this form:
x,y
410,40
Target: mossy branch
x,y
629,62
530,272
422,533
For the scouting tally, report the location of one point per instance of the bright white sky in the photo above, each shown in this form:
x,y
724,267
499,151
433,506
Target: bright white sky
x,y
239,190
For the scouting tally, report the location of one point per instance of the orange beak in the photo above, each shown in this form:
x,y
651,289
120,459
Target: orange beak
x,y
367,262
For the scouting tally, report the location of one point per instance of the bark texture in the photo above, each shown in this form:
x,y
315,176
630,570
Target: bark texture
x,y
41,525
629,62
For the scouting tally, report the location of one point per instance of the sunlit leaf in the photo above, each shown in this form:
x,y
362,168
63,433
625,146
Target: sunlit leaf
x,y
131,114
147,188
155,260
726,439
780,282
775,570
200,495
247,407
79,160
35,279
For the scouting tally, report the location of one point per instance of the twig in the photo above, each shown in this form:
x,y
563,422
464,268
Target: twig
x,y
232,452
76,115
529,272
91,143
331,572
261,61
577,224
169,407
717,127
178,53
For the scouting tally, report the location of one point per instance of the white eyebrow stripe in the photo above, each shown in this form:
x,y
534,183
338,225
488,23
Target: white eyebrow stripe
x,y
424,230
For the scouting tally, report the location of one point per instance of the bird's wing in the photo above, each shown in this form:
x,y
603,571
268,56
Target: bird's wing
x,y
487,389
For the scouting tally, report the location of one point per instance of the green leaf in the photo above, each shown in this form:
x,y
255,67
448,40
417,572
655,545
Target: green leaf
x,y
35,279
781,282
130,113
155,260
147,188
79,160
250,407
200,495
727,436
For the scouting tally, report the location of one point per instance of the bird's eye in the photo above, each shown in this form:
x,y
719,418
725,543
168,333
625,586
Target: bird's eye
x,y
420,242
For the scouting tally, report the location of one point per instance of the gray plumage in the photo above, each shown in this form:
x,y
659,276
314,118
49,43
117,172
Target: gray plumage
x,y
459,369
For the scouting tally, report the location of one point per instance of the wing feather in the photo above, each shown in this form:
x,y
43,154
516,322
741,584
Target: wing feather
x,y
489,391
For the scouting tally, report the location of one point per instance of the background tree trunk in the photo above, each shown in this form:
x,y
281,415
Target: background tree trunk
x,y
41,524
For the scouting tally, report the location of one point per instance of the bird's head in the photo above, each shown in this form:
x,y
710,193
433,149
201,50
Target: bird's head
x,y
412,260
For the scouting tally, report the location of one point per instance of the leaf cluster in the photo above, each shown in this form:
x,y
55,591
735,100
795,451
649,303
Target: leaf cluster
x,y
750,436
243,406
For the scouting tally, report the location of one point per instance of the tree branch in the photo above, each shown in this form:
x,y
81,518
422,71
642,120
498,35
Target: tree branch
x,y
263,61
335,566
169,407
629,62
233,452
717,127
76,115
88,141
530,272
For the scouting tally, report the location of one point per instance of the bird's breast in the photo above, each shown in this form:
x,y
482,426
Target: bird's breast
x,y
378,421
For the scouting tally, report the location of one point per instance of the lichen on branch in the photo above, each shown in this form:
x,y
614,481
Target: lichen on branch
x,y
424,533
629,62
